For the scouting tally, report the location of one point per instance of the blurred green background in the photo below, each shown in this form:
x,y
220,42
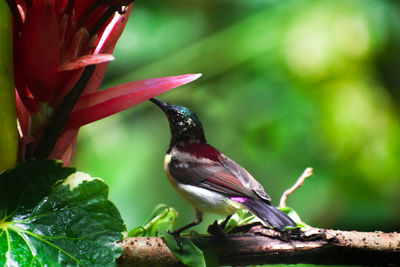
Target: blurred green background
x,y
286,85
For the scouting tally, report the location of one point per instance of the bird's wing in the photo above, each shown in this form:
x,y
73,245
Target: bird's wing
x,y
245,178
222,175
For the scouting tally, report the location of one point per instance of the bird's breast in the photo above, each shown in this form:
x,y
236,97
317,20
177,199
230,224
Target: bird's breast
x,y
171,179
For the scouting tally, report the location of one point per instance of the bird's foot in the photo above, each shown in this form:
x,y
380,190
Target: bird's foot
x,y
217,230
223,224
177,236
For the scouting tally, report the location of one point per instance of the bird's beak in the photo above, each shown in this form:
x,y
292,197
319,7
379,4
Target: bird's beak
x,y
163,105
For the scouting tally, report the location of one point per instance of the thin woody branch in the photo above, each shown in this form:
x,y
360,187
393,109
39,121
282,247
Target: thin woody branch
x,y
266,246
307,173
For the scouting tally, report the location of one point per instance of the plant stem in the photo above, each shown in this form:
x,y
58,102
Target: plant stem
x,y
8,117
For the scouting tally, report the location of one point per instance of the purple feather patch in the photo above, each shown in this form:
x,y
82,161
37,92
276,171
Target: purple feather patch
x,y
239,199
201,151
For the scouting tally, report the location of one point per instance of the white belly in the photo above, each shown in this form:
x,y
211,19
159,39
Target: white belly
x,y
203,200
208,201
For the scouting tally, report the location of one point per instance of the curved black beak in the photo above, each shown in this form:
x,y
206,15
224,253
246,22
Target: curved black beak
x,y
161,104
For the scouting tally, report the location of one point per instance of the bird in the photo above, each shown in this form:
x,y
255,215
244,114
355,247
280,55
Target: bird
x,y
206,178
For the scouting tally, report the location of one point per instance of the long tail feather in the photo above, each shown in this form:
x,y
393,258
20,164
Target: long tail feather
x,y
268,214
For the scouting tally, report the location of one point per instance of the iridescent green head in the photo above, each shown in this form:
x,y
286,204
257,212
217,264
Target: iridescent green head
x,y
184,124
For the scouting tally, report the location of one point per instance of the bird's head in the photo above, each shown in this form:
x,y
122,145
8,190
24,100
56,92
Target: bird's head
x,y
184,124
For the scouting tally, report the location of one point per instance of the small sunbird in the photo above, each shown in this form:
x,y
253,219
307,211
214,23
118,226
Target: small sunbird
x,y
210,181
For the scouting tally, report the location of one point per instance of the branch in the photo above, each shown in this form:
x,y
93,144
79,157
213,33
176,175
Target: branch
x,y
307,173
266,246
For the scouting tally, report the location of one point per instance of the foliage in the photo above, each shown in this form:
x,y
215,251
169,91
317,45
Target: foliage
x,y
195,252
55,216
293,214
162,219
243,217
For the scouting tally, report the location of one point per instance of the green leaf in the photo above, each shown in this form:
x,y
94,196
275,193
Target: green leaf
x,y
196,252
294,216
210,256
163,218
69,224
241,217
189,254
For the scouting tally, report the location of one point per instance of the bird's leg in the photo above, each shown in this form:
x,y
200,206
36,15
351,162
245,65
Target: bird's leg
x,y
177,233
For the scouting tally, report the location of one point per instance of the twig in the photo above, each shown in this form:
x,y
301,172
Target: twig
x,y
307,173
266,246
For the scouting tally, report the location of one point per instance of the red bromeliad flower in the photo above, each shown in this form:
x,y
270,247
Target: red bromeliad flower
x,y
61,52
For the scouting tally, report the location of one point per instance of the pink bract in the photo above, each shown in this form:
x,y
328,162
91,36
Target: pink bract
x,y
54,40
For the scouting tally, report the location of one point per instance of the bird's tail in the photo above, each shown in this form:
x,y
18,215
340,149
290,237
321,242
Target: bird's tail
x,y
268,214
